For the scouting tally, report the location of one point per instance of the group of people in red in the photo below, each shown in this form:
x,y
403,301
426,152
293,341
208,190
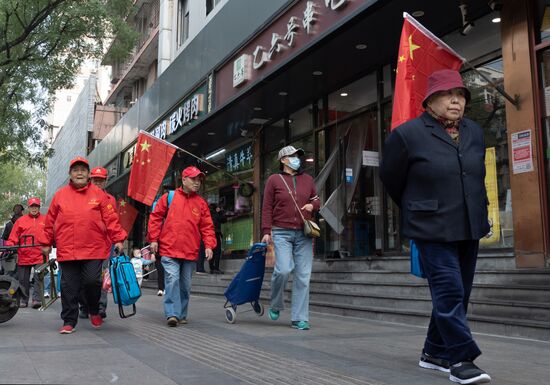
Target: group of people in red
x,y
82,223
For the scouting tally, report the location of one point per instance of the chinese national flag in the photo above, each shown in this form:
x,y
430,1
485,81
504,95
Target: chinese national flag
x,y
127,214
151,160
420,54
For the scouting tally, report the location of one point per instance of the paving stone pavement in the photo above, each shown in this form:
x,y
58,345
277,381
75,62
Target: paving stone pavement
x,y
254,350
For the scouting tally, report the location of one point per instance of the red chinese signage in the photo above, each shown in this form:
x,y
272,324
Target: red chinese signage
x,y
299,26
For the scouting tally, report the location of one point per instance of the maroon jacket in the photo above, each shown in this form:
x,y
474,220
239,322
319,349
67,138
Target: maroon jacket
x,y
279,210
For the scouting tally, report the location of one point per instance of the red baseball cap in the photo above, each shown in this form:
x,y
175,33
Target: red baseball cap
x,y
444,80
192,172
79,159
98,172
33,201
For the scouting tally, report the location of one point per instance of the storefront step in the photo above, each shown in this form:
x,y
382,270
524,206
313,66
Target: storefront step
x,y
513,309
405,285
489,291
486,261
482,324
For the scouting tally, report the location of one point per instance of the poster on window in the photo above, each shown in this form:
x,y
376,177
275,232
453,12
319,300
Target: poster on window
x,y
492,194
522,154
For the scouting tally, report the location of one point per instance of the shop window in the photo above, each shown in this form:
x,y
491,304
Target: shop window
x,y
183,21
387,79
274,136
300,122
487,108
350,98
544,60
211,4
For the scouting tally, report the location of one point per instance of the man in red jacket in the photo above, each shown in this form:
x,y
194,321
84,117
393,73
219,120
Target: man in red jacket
x,y
175,231
98,177
31,225
83,224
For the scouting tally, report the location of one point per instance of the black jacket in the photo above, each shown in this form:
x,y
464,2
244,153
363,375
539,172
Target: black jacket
x,y
9,226
439,185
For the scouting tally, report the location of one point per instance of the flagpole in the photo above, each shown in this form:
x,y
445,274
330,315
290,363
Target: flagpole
x,y
514,100
194,156
427,32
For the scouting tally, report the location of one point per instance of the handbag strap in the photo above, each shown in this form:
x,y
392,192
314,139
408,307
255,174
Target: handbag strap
x,y
293,199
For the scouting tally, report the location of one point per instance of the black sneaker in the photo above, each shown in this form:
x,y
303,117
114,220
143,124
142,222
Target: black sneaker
x,y
467,373
429,362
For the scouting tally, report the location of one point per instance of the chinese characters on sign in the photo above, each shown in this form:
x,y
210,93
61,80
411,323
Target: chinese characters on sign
x,y
239,160
522,154
187,113
280,42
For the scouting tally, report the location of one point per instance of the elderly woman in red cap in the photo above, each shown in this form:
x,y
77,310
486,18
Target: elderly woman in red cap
x,y
26,230
83,224
176,228
434,169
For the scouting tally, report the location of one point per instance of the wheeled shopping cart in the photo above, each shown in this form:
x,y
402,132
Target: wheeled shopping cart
x,y
247,284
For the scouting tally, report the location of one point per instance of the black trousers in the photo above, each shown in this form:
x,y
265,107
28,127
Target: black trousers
x,y
102,300
77,275
24,278
160,273
450,269
217,254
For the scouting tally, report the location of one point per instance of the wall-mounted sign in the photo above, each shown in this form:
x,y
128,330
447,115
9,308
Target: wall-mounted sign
x,y
112,170
371,158
298,26
128,158
240,159
241,70
349,175
185,115
522,154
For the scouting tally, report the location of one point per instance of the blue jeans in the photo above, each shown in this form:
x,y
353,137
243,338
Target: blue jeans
x,y
450,268
293,253
177,281
47,282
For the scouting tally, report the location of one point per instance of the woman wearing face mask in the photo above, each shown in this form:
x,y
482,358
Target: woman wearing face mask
x,y
282,225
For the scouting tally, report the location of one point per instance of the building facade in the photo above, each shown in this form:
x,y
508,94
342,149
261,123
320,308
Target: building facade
x,y
234,81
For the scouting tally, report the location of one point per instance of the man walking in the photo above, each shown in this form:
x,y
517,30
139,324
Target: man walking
x,y
98,177
175,232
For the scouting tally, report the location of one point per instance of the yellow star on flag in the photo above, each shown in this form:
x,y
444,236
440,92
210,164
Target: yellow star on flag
x,y
122,203
412,47
145,146
402,58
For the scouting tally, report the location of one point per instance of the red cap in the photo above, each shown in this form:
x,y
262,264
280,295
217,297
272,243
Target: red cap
x,y
98,172
192,172
79,159
444,80
33,201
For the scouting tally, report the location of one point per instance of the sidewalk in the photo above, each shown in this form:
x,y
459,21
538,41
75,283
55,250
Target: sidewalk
x,y
142,350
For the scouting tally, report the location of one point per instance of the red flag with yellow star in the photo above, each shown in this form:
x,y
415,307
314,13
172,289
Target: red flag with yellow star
x,y
151,160
420,54
127,214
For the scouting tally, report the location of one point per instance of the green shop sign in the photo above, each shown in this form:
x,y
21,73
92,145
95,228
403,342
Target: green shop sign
x,y
240,159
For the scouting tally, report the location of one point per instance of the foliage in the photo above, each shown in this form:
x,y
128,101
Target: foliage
x,y
18,183
42,45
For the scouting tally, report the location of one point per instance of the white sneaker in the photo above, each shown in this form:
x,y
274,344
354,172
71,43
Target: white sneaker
x,y
160,293
47,295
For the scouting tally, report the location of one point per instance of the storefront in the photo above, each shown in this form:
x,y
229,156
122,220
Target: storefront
x,y
320,77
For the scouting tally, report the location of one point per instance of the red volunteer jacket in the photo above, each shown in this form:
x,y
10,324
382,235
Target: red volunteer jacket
x,y
279,210
188,220
83,223
28,225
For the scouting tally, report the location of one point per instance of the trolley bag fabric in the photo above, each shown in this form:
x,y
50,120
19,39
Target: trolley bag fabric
x,y
247,284
126,290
